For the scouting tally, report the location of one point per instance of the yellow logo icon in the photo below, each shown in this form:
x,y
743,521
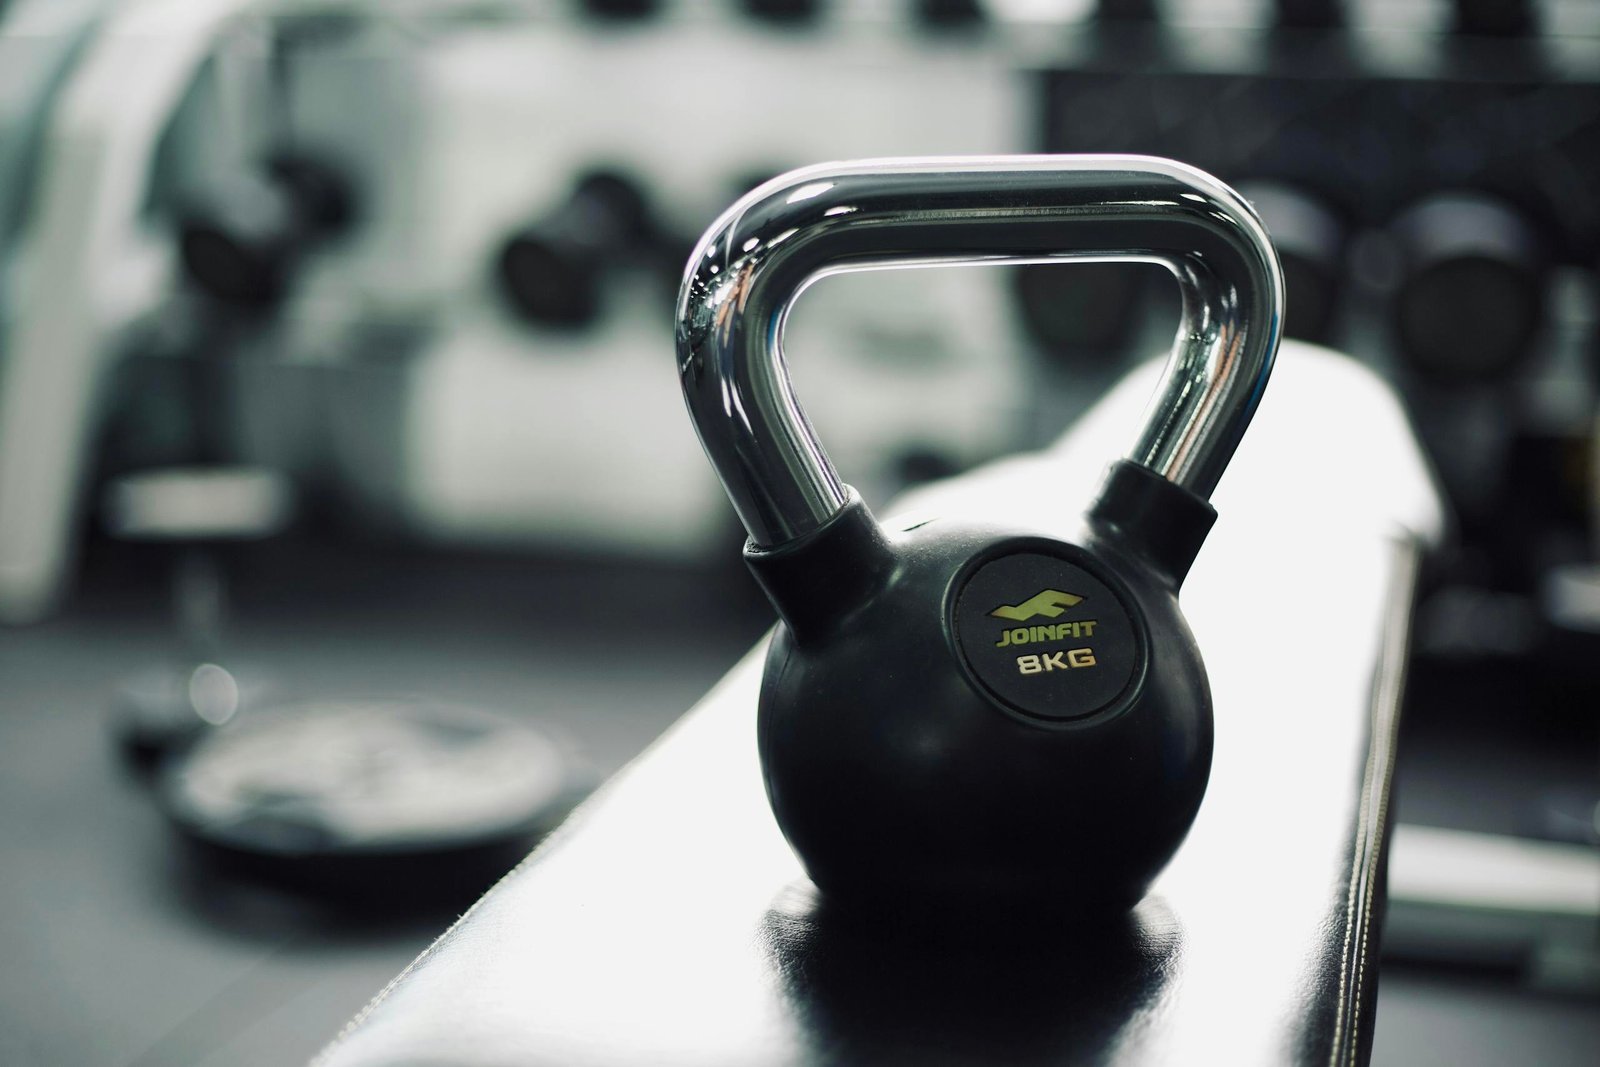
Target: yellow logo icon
x,y
1050,603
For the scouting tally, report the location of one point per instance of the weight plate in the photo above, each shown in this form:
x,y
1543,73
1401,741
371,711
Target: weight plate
x,y
387,777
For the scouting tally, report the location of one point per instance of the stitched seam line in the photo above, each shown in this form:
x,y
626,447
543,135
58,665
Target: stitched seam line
x,y
1372,815
1390,693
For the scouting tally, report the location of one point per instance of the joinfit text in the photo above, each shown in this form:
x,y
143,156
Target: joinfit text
x,y
1028,635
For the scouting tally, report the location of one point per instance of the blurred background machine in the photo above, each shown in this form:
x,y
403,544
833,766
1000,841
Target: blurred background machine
x,y
438,249
413,263
435,244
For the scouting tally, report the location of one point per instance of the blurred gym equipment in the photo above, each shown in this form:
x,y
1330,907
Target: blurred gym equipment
x,y
197,511
370,801
422,343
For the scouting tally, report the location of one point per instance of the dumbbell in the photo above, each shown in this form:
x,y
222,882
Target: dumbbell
x,y
1127,11
949,15
1311,238
622,10
1472,297
1088,314
1495,18
1310,14
784,12
241,242
552,272
960,715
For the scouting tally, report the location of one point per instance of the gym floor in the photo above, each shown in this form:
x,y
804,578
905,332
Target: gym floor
x,y
123,948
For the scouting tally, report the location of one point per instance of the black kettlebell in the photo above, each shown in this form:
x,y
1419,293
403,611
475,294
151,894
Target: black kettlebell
x,y
959,714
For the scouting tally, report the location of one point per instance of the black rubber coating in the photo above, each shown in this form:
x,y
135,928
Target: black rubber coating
x,y
910,772
1161,523
851,551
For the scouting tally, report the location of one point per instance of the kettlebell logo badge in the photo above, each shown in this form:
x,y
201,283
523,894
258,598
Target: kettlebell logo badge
x,y
1050,603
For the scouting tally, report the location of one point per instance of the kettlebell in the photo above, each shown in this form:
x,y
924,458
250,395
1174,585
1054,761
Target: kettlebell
x,y
962,714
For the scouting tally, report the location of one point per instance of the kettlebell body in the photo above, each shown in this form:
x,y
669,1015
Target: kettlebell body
x,y
954,715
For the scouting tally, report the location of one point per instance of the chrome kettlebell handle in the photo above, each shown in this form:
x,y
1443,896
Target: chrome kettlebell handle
x,y
754,262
